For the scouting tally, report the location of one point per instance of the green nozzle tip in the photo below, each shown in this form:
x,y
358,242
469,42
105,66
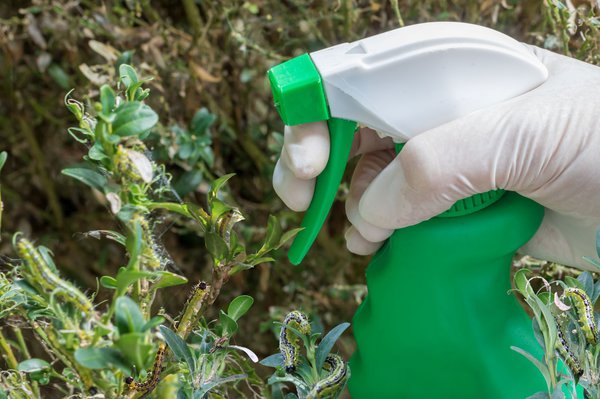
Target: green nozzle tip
x,y
298,91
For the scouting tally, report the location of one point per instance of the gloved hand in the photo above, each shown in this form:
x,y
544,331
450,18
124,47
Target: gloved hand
x,y
544,145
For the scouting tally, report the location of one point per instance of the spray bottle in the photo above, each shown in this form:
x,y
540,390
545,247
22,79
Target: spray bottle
x,y
437,321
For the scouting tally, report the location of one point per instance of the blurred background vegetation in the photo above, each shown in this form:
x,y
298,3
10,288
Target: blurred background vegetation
x,y
207,57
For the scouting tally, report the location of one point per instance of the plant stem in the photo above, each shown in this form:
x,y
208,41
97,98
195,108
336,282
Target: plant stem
x,y
310,355
193,17
25,352
66,358
8,355
396,9
22,345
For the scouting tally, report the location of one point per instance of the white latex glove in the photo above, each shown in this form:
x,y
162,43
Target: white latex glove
x,y
544,145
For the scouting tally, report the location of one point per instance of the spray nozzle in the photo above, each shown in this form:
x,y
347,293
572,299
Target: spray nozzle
x,y
403,82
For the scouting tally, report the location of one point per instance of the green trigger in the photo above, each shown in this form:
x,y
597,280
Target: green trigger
x,y
300,98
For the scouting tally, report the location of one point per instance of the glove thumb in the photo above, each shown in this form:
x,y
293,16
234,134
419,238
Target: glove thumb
x,y
439,167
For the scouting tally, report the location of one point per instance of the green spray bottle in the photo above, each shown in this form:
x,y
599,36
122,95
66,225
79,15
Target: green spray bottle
x,y
437,321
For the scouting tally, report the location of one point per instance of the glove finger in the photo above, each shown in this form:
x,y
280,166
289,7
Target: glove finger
x,y
368,167
358,245
565,239
294,192
443,165
307,149
367,140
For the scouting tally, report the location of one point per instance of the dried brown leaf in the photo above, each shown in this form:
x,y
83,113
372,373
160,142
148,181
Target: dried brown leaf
x,y
108,52
203,74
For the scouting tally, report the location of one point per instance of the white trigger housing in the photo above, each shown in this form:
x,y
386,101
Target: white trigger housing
x,y
409,80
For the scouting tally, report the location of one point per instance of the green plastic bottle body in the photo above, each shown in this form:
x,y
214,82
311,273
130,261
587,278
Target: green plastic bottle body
x,y
438,321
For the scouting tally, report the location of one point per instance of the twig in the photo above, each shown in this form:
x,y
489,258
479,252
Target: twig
x,y
8,355
193,17
25,352
396,9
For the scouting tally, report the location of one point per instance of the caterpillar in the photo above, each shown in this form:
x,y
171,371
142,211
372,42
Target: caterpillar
x,y
44,277
334,382
196,297
585,312
288,341
152,381
565,351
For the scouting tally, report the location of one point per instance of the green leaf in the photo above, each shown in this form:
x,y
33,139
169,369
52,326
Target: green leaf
x,y
124,58
153,322
305,372
128,316
288,235
275,360
216,246
217,209
86,176
32,365
587,282
239,306
85,132
263,259
168,279
41,377
240,267
598,242
100,358
180,349
134,245
125,277
594,298
541,367
205,388
108,282
273,235
571,282
133,119
522,281
207,155
229,325
127,75
59,76
96,152
216,186
591,261
107,99
327,343
134,348
3,156
201,121
127,212
188,182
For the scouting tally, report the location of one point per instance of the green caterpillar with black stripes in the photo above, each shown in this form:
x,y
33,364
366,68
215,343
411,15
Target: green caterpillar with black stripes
x,y
288,341
39,274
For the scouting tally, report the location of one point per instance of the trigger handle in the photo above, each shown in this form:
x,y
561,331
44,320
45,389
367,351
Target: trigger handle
x,y
341,135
